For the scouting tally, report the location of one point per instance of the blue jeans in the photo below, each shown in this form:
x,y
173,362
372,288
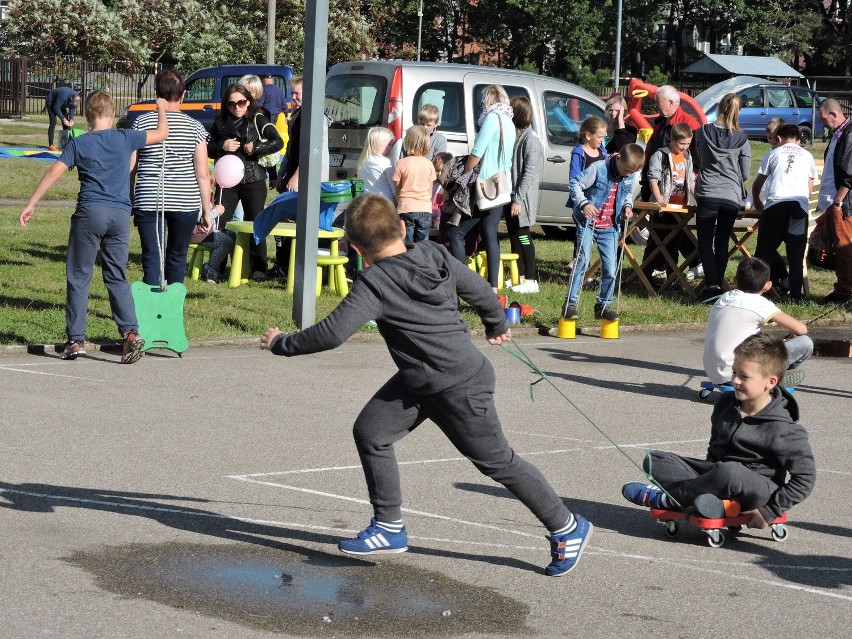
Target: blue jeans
x,y
106,229
799,349
607,243
417,226
179,227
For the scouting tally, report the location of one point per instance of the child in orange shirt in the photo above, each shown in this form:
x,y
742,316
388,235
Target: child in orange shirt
x,y
413,177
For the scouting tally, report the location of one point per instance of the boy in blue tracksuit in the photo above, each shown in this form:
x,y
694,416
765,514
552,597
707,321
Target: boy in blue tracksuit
x,y
603,194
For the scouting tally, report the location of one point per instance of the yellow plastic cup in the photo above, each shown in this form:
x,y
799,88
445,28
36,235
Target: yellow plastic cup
x,y
609,329
567,328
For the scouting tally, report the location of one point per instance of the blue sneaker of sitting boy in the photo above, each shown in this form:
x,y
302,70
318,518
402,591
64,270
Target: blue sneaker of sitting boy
x,y
375,540
567,548
646,495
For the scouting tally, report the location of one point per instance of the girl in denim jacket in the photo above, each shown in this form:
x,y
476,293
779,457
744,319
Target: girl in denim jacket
x,y
604,198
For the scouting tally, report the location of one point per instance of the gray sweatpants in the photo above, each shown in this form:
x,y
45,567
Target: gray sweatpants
x,y
106,229
467,416
684,478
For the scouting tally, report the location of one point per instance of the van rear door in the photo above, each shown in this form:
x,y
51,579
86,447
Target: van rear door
x,y
355,100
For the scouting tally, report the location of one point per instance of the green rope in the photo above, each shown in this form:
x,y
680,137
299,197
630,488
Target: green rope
x,y
521,356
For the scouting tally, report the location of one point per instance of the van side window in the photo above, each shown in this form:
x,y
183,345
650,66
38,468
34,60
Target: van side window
x,y
200,90
511,90
449,98
752,98
564,114
356,101
804,99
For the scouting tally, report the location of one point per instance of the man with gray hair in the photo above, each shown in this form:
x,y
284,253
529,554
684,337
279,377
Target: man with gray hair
x,y
834,200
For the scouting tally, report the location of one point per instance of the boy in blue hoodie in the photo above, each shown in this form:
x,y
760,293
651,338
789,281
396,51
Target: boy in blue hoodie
x,y
603,196
411,292
755,442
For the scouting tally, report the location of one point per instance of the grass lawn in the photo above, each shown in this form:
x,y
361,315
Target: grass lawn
x,y
32,277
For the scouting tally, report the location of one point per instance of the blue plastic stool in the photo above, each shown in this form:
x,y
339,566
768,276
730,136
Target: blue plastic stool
x,y
708,387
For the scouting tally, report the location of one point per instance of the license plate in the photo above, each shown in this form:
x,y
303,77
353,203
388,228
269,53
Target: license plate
x,y
335,159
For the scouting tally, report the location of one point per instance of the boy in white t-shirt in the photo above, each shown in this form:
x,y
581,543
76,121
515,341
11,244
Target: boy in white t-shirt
x,y
742,312
788,173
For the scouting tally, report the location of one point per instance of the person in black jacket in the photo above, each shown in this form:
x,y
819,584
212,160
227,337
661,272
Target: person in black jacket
x,y
241,129
755,442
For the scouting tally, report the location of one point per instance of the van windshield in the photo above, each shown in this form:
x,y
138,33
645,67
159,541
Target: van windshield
x,y
355,101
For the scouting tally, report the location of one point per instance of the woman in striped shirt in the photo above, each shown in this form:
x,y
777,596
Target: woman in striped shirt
x,y
174,178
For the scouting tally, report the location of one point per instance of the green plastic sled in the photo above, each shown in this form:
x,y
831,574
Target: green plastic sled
x,y
160,315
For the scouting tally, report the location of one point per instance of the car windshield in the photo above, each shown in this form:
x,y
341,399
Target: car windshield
x,y
355,101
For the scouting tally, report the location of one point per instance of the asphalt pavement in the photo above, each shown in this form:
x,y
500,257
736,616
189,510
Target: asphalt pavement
x,y
203,496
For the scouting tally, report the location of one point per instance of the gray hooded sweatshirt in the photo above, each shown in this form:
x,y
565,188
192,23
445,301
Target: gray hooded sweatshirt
x,y
725,161
413,297
770,443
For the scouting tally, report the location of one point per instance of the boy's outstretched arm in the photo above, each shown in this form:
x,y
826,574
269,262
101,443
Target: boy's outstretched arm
x,y
794,326
759,180
48,179
152,136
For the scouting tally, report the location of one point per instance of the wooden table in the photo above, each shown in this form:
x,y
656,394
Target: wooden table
x,y
242,245
663,233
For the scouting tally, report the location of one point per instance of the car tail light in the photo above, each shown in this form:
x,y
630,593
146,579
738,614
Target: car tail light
x,y
395,105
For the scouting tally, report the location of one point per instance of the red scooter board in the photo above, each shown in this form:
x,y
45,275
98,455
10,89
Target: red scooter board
x,y
714,528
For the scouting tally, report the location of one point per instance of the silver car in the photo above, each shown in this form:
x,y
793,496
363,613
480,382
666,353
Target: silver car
x,y
361,95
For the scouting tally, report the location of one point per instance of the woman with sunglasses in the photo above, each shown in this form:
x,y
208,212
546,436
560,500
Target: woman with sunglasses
x,y
241,129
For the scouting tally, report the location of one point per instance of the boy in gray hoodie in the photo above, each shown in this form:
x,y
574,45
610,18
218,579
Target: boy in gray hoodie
x,y
755,442
411,292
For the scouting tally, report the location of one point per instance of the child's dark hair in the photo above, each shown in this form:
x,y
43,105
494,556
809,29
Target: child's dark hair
x,y
444,156
788,132
768,352
752,275
522,112
372,223
681,131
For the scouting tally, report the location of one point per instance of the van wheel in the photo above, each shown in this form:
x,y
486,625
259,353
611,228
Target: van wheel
x,y
805,134
559,232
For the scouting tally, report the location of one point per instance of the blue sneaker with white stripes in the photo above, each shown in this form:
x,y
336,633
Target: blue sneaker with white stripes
x,y
567,548
374,540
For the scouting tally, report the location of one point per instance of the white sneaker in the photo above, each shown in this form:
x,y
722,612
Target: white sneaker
x,y
695,271
528,286
658,275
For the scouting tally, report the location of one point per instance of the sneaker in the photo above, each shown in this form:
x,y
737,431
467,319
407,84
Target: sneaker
x,y
836,298
710,294
258,276
792,378
659,275
72,350
211,276
528,286
566,549
53,147
131,347
604,311
708,506
569,310
375,541
695,271
643,494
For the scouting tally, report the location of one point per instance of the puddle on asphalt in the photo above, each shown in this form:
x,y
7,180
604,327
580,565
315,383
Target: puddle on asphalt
x,y
312,594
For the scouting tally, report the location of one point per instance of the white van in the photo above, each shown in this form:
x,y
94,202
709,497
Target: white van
x,y
360,95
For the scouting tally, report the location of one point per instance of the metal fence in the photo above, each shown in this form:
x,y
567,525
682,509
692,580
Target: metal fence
x,y
25,93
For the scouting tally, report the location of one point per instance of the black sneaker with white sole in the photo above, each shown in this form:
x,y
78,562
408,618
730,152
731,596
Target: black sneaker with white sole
x,y
603,311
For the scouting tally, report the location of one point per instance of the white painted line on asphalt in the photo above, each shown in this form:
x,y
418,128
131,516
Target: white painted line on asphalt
x,y
443,460
21,370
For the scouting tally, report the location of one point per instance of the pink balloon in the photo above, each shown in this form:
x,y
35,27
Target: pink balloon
x,y
229,171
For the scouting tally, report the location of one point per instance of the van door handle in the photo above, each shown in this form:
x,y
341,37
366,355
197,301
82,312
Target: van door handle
x,y
557,159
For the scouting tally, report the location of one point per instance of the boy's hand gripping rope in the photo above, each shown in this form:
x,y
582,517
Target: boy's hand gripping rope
x,y
543,377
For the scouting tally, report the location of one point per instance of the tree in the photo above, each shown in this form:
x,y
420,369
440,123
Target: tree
x,y
54,28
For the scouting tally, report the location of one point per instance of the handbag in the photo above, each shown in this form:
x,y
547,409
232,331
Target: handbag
x,y
273,159
494,191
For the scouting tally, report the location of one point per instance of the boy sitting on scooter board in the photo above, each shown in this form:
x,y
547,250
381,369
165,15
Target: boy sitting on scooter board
x,y
755,442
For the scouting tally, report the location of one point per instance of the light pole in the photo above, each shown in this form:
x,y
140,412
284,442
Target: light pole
x,y
419,28
618,48
270,32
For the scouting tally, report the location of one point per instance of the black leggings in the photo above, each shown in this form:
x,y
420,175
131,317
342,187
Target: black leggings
x,y
714,222
521,243
253,197
489,220
51,127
